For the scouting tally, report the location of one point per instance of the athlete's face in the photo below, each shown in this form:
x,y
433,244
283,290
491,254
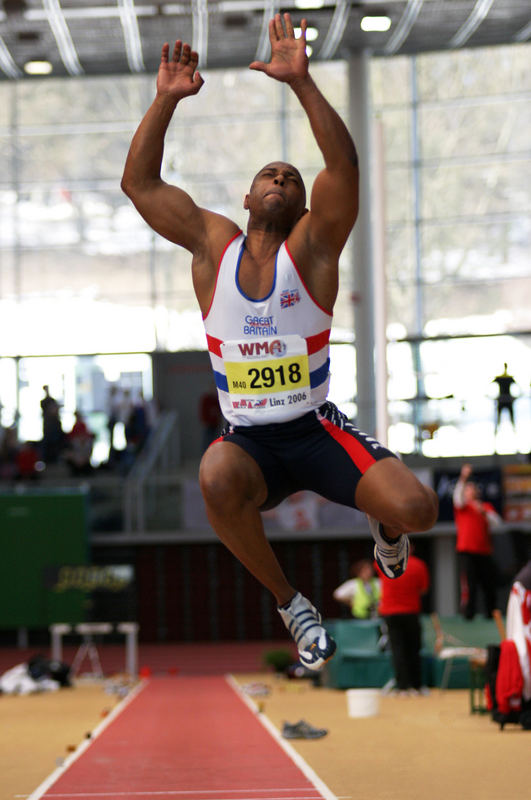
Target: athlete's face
x,y
277,188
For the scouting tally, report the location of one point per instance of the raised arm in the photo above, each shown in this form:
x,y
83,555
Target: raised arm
x,y
167,209
458,496
334,199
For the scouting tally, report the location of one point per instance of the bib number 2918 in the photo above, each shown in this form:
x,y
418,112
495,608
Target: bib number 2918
x,y
279,376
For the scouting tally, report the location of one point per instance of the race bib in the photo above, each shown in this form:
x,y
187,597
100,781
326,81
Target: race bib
x,y
267,373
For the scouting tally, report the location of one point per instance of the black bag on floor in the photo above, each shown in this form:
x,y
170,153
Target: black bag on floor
x,y
41,667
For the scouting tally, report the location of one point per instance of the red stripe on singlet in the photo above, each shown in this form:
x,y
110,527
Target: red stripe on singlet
x,y
361,458
214,345
317,341
314,343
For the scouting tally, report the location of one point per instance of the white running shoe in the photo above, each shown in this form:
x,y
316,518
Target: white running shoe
x,y
303,621
391,557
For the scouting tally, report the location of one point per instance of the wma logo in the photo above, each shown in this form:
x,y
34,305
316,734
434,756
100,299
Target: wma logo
x,y
274,348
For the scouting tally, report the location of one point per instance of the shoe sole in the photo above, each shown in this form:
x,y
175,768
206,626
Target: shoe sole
x,y
314,668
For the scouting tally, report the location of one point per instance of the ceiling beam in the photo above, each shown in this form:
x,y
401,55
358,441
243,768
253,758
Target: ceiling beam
x,y
133,44
403,29
7,64
336,30
262,50
67,51
200,30
523,34
477,15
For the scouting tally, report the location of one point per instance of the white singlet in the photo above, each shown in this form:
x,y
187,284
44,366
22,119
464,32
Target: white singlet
x,y
270,356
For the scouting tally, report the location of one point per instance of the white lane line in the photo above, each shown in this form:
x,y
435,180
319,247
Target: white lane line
x,y
268,794
177,791
85,744
184,791
172,794
304,767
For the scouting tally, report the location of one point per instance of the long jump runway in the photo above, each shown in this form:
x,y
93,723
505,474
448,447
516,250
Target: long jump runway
x,y
185,738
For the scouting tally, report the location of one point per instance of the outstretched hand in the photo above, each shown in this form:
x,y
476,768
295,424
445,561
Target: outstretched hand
x,y
288,54
178,77
466,472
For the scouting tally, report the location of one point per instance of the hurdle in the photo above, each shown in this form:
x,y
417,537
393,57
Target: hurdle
x,y
88,630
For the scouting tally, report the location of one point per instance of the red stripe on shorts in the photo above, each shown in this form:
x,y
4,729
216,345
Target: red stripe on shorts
x,y
361,458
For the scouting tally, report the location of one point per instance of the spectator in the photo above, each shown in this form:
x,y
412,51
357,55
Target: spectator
x,y
114,414
473,520
28,459
53,437
137,427
9,446
49,404
361,593
17,461
79,445
400,606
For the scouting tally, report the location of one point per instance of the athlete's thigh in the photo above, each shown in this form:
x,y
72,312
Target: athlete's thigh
x,y
336,455
273,476
392,493
228,471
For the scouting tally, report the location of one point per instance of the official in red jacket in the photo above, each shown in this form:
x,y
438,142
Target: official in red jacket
x,y
473,521
400,607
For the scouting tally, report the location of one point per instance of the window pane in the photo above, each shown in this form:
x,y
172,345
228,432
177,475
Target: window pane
x,y
478,307
479,189
234,149
401,308
397,135
223,91
467,73
475,130
5,104
399,195
400,259
8,391
331,77
65,101
476,251
69,272
60,158
391,80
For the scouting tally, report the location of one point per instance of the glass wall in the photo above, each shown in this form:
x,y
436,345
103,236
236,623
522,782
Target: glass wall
x,y
82,275
458,202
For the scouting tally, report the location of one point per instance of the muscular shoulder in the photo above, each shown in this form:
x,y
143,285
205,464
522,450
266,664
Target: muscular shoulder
x,y
317,261
218,232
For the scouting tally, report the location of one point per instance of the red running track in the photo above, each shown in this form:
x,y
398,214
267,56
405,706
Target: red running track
x,y
190,738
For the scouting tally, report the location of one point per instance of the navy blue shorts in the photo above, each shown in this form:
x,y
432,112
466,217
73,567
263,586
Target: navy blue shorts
x,y
320,451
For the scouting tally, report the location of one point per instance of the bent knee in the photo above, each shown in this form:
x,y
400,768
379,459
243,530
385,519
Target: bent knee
x,y
419,508
218,483
229,478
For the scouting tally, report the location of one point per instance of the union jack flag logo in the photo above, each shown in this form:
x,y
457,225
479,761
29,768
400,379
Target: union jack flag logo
x,y
289,297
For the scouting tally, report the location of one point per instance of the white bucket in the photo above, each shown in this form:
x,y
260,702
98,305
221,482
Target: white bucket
x,y
363,702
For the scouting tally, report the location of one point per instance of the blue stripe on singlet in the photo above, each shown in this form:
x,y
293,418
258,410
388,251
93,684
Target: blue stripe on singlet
x,y
318,376
221,381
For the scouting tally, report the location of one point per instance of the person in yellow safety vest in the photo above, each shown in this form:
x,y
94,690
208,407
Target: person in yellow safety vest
x,y
361,593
